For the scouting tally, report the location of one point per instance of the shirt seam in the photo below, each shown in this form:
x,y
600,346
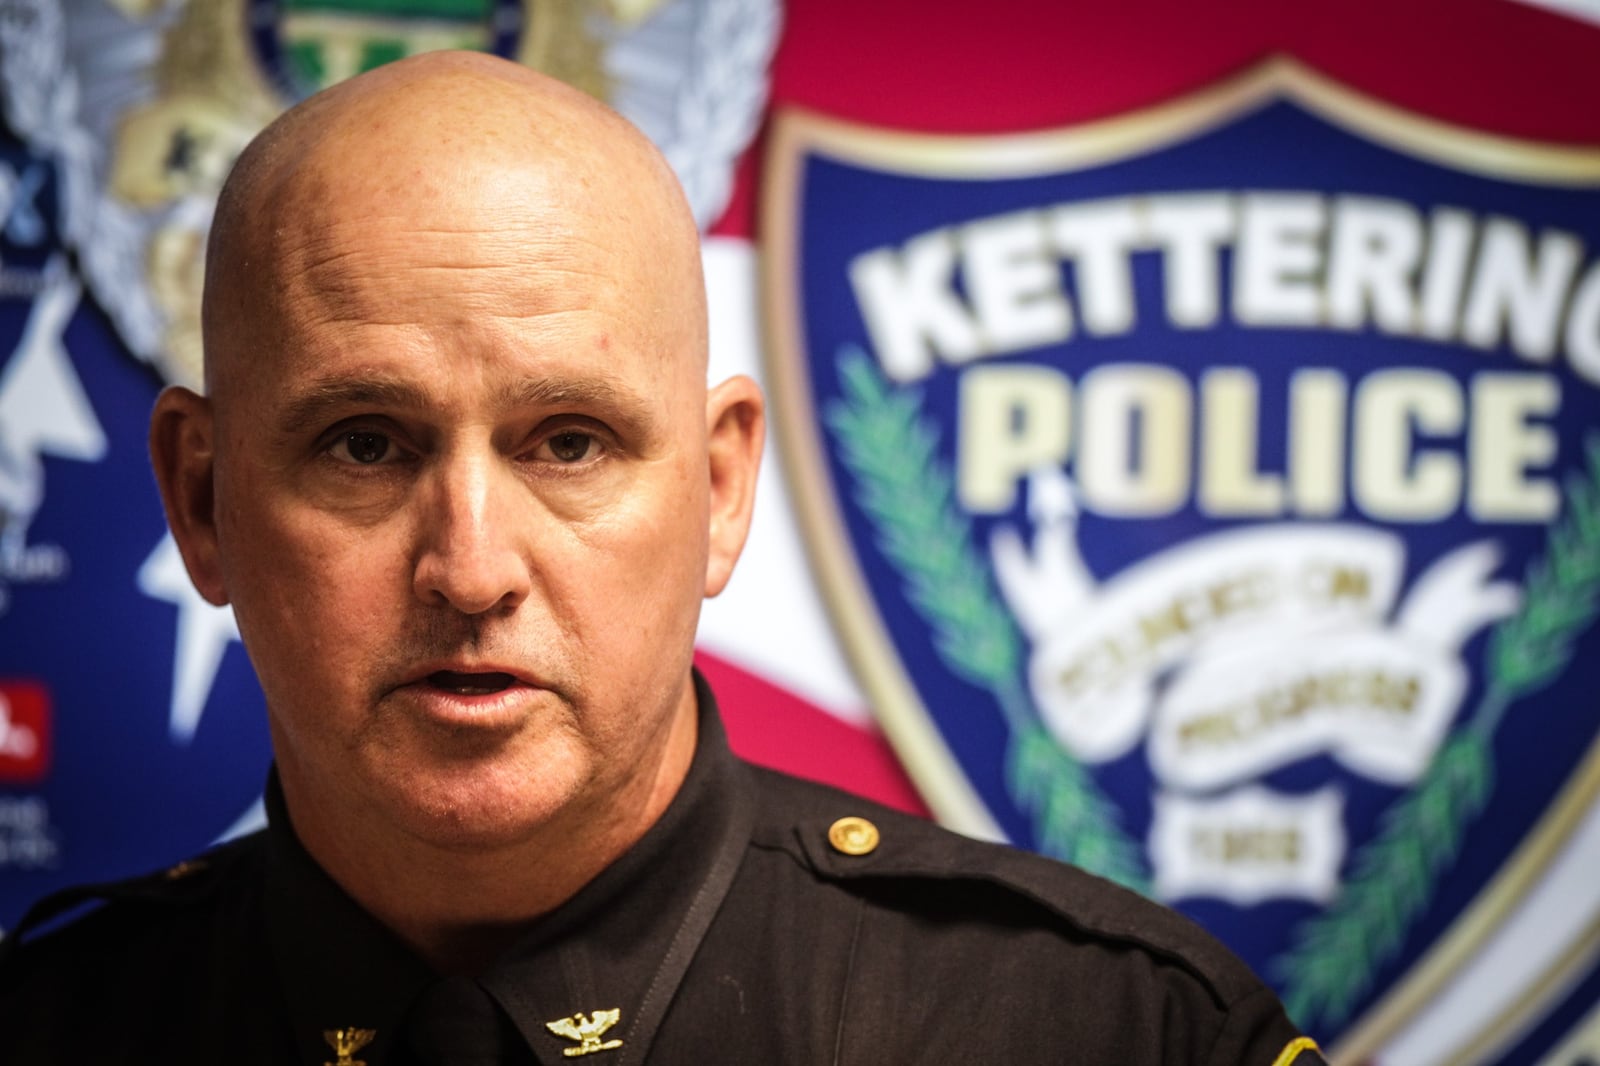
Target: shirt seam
x,y
844,987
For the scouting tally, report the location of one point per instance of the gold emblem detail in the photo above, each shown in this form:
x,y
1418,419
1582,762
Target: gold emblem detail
x,y
853,836
586,1031
346,1042
184,869
171,151
1291,1053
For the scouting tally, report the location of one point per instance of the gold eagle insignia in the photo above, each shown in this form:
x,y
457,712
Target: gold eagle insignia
x,y
346,1042
587,1031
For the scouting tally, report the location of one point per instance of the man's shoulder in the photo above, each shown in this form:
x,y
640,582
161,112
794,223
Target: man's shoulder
x,y
164,911
981,929
897,856
138,970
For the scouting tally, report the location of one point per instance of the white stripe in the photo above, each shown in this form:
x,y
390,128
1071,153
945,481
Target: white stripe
x,y
771,619
1587,10
1550,917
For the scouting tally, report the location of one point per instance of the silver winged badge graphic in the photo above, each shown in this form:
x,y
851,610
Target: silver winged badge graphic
x,y
144,133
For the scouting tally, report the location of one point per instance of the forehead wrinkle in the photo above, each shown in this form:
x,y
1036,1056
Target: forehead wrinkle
x,y
524,276
324,236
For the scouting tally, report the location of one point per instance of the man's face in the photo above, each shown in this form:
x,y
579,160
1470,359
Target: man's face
x,y
461,503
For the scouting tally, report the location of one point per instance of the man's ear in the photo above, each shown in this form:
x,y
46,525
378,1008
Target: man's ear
x,y
736,427
182,450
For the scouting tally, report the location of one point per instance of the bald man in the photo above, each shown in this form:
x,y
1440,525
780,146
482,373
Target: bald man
x,y
458,473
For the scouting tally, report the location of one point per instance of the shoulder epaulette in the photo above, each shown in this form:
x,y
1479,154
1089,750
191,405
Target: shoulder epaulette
x,y
845,838
180,884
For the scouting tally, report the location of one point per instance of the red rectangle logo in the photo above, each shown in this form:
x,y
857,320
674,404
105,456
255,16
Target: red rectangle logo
x,y
24,732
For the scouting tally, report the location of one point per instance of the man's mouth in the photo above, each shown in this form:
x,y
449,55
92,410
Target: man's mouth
x,y
470,684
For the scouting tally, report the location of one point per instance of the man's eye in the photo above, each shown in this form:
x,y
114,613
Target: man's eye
x,y
570,446
364,448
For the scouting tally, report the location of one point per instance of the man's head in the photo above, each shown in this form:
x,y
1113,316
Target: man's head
x,y
457,470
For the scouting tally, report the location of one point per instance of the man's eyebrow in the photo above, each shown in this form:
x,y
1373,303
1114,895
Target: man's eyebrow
x,y
319,400
575,392
625,408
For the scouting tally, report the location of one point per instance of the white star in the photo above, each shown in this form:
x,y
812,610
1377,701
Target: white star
x,y
43,409
204,633
255,817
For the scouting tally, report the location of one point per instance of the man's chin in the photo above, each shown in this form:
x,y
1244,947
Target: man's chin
x,y
480,808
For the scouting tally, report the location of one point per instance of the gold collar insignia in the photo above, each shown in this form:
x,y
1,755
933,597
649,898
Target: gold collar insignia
x,y
346,1042
587,1031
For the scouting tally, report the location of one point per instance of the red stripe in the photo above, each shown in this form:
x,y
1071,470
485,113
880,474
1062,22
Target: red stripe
x,y
1493,65
773,727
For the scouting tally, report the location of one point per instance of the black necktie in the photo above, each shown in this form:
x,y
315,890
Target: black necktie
x,y
454,1022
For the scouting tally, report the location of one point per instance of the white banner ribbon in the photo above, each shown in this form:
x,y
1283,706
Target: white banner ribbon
x,y
1279,641
1092,673
1375,701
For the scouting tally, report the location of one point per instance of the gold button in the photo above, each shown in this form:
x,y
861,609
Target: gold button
x,y
185,868
853,836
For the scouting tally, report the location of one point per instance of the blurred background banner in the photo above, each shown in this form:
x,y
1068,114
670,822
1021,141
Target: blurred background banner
x,y
1186,453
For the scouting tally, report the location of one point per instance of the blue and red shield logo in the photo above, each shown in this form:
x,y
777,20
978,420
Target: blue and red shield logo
x,y
1211,497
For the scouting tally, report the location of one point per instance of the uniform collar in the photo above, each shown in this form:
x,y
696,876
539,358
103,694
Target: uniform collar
x,y
621,943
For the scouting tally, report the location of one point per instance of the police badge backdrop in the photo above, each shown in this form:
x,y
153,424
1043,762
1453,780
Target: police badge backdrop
x,y
1191,416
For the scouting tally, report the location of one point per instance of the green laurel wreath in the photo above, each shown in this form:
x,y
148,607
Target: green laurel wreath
x,y
900,484
1393,876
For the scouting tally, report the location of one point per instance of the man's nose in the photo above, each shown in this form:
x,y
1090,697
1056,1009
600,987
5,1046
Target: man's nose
x,y
471,547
